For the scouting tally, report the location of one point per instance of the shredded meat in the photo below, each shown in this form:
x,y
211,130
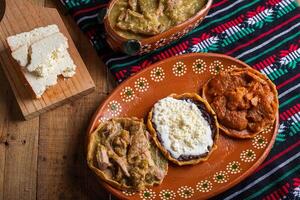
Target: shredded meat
x,y
242,100
143,24
151,17
235,120
171,4
236,99
120,143
133,4
160,8
102,157
230,118
125,150
254,115
219,106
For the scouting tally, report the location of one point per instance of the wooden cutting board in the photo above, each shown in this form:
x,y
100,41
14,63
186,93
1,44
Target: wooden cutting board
x,y
21,16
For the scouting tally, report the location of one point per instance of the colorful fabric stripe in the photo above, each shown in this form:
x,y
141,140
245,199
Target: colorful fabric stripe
x,y
263,33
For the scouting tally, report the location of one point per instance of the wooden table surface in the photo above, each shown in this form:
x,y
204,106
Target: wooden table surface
x,y
43,158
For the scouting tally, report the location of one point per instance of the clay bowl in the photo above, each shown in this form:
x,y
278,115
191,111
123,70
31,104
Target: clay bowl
x,y
233,159
134,47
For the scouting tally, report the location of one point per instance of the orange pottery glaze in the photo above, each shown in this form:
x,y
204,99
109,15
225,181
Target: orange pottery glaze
x,y
230,163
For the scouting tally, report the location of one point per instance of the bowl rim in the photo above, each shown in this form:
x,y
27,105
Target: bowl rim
x,y
156,37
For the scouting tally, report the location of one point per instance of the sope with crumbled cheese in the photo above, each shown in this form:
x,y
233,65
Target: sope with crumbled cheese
x,y
182,127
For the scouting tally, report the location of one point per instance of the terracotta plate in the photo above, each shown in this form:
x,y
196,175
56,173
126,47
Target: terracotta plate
x,y
231,162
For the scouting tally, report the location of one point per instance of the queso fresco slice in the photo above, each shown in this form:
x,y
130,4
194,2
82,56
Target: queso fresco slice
x,y
40,52
49,59
27,38
42,59
62,65
45,49
20,43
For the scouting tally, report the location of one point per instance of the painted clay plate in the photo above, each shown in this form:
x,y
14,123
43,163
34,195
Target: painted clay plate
x,y
230,163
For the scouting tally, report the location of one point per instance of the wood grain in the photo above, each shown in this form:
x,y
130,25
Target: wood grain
x,y
18,149
77,182
21,160
62,171
66,90
47,168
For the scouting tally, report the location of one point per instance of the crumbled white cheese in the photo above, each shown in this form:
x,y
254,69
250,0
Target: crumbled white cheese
x,y
182,127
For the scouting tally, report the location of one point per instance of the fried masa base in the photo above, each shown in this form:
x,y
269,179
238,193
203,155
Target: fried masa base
x,y
245,134
102,175
187,159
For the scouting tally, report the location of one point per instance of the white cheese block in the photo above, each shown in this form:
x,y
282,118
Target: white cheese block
x,y
68,68
44,49
21,55
28,38
182,127
62,60
39,55
43,55
63,64
39,84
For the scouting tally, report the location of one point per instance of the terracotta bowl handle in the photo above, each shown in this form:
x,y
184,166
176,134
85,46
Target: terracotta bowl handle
x,y
131,47
101,15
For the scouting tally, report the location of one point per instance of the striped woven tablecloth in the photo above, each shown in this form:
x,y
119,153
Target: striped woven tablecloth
x,y
264,34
